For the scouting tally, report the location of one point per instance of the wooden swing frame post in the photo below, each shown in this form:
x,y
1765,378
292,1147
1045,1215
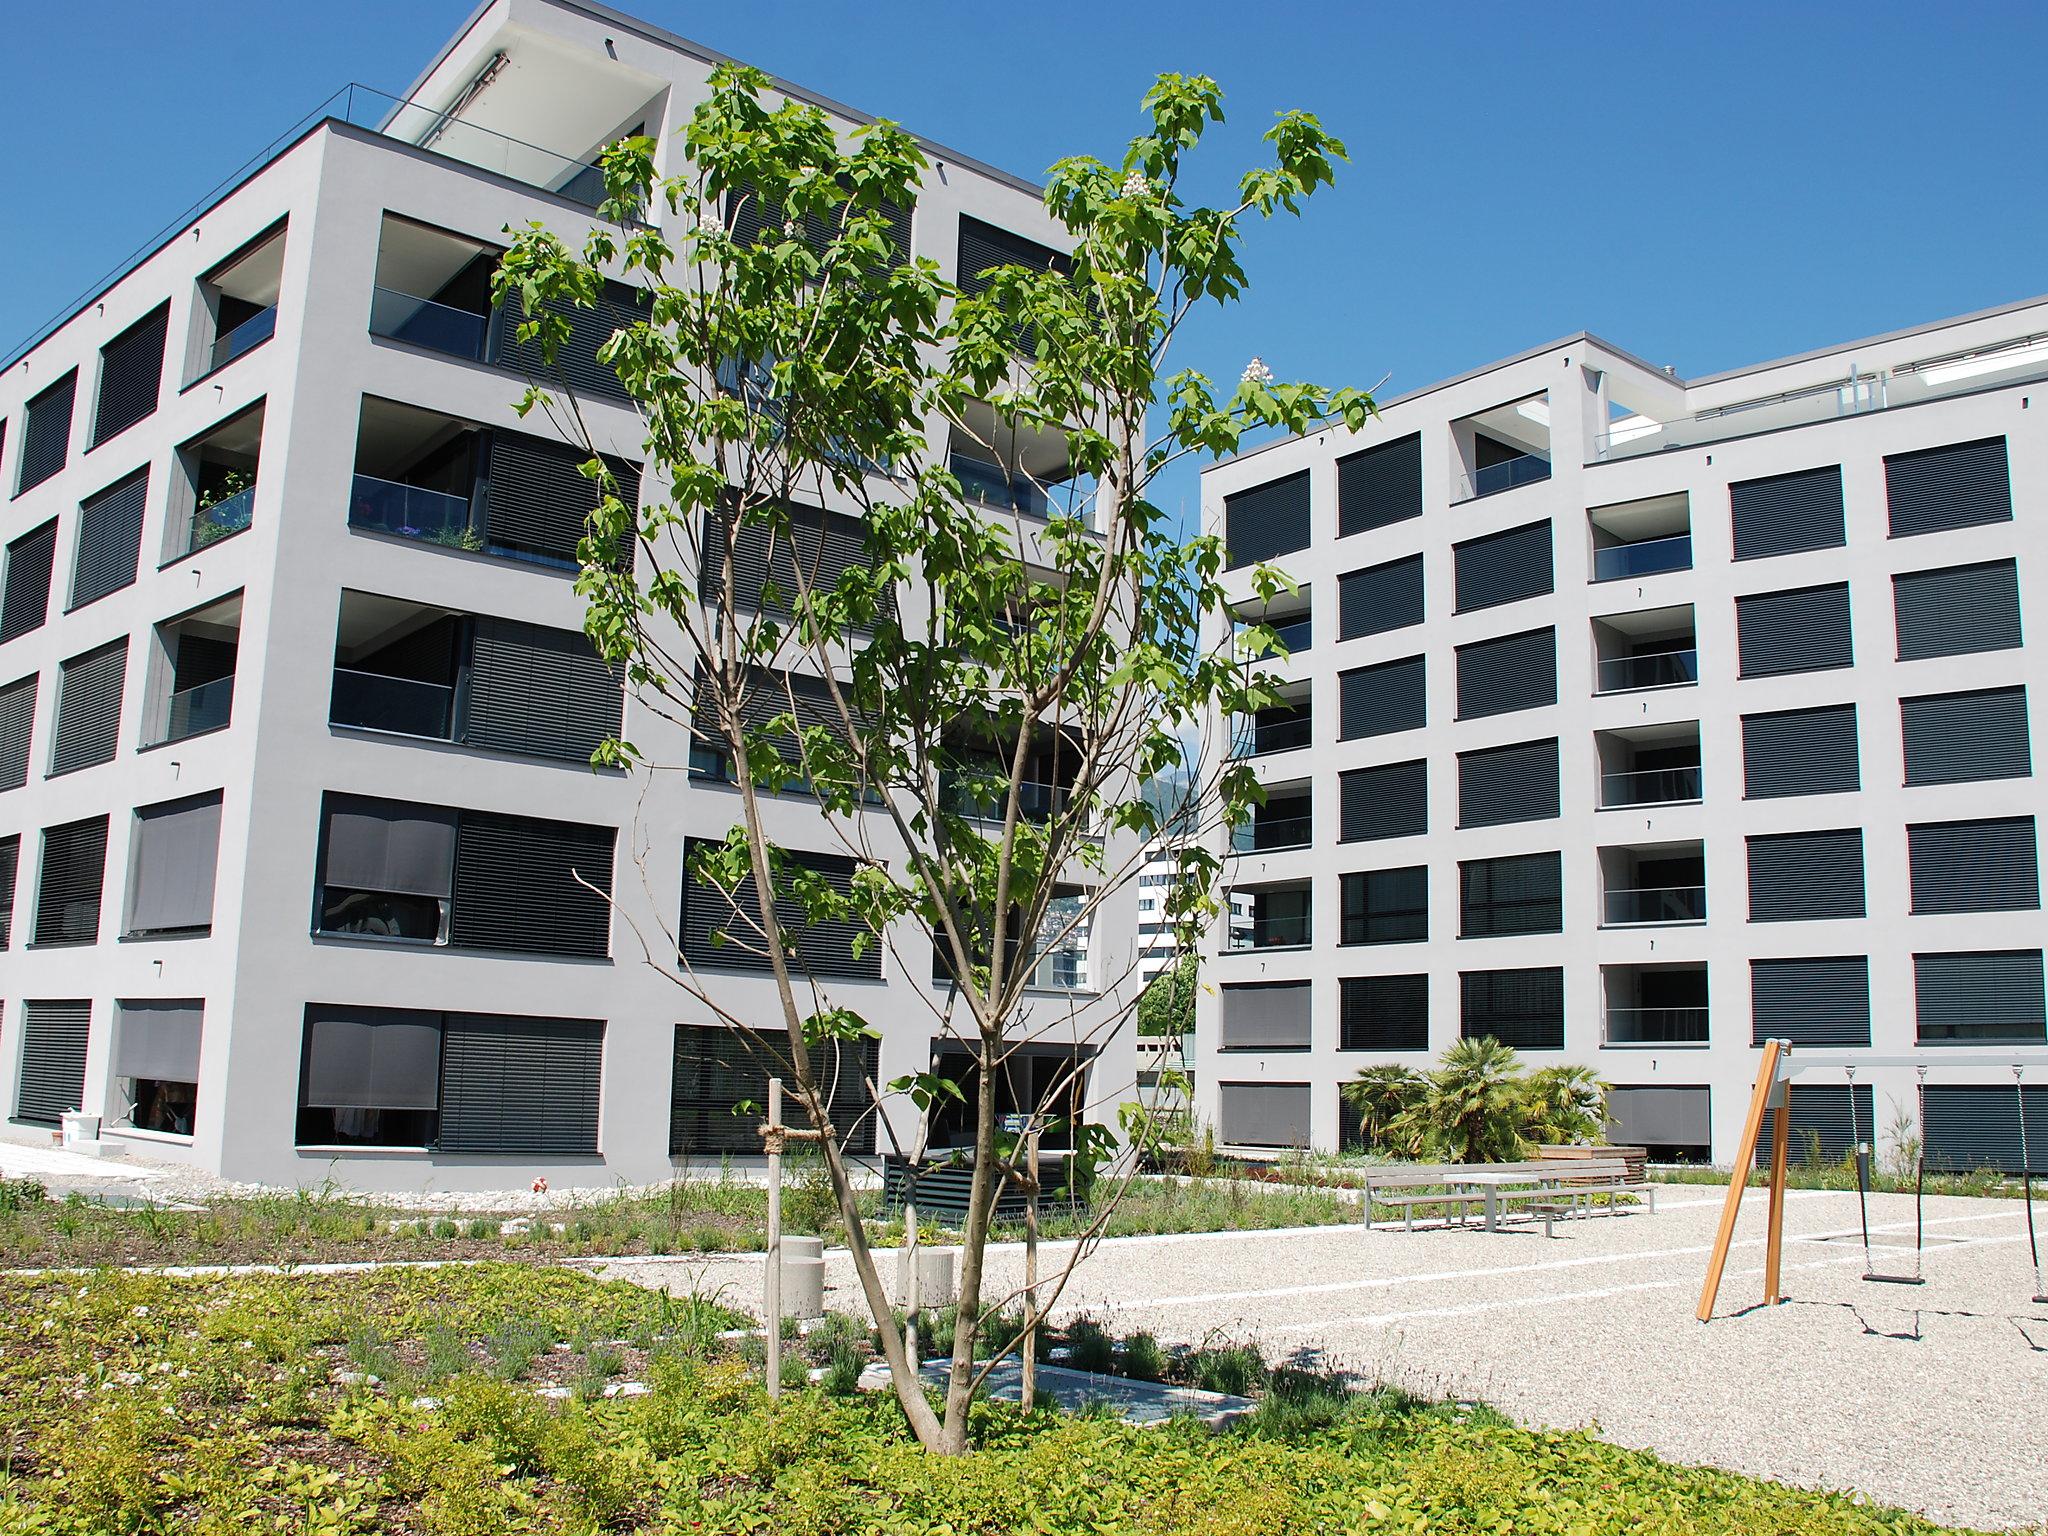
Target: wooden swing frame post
x,y
1767,1096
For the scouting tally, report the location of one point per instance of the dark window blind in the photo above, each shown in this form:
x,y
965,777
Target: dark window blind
x,y
68,887
131,373
25,597
1955,738
1504,784
1383,1013
1522,1009
1810,1002
1510,672
89,708
1957,485
1391,800
1380,486
1378,701
1783,514
109,540
1504,567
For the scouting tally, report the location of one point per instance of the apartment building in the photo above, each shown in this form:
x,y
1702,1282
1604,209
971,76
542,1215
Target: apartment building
x,y
304,870
1632,720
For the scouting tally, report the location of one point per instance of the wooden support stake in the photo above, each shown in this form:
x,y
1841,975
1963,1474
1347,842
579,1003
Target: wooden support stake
x,y
773,1299
1745,1159
1029,1381
1774,1241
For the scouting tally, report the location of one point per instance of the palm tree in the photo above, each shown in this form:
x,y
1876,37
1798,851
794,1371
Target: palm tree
x,y
1474,1106
1564,1104
1385,1097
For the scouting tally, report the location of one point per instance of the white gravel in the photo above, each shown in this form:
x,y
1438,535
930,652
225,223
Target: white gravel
x,y
1930,1398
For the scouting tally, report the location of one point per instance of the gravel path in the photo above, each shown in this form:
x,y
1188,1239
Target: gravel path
x,y
1929,1397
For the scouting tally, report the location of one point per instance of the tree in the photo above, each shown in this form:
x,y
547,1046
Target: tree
x,y
975,705
1563,1104
1473,1109
1167,1006
1386,1097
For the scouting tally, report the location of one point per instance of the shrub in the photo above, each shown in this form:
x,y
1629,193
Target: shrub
x,y
1089,1347
1143,1358
1235,1369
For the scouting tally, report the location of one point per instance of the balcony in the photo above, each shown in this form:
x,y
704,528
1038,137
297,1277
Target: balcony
x,y
213,492
1649,765
1281,917
1651,649
992,486
1654,1005
215,520
426,323
1654,884
1278,824
415,474
1501,449
1288,617
1647,537
244,337
396,666
192,673
1283,727
1016,468
238,304
403,706
432,289
412,512
976,799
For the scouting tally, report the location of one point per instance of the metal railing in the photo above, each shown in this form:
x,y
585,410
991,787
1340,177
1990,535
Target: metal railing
x,y
203,707
375,701
1644,557
1267,833
231,514
1252,740
428,323
412,511
1849,396
1658,669
1271,932
259,327
1657,1026
1526,469
1657,904
1649,786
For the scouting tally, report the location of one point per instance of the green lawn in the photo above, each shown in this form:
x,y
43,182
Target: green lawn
x,y
140,1404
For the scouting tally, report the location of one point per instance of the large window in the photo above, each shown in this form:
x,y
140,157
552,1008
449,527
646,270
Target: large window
x,y
430,874
1522,1009
1386,906
72,877
46,433
109,539
89,689
156,1064
1267,521
25,594
1520,894
470,1083
131,373
719,1091
175,850
725,931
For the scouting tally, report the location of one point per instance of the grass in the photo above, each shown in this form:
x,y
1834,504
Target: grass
x,y
144,1404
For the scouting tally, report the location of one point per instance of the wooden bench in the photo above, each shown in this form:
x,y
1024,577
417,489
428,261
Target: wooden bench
x,y
1572,1185
1595,1176
1429,1181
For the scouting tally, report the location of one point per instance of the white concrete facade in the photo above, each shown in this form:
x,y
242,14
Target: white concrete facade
x,y
575,74
1620,431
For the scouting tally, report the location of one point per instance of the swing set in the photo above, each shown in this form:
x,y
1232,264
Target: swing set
x,y
1772,1096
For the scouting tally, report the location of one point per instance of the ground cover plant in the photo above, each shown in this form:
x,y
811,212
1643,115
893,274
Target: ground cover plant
x,y
499,1399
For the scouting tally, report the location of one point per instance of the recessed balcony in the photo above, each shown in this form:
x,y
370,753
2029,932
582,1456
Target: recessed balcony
x,y
1640,538
1649,765
192,674
238,304
213,493
1654,1005
1501,449
1653,885
1284,821
1652,649
1281,917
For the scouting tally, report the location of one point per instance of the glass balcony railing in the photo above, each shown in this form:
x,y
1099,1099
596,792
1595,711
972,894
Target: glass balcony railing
x,y
1657,904
1271,932
990,485
1274,736
195,710
231,514
413,512
1063,970
1035,801
1504,476
1645,557
424,323
1657,669
1294,635
1649,786
258,328
373,701
1272,832
1634,436
1657,1026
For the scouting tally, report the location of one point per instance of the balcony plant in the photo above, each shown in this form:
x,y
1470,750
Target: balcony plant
x,y
1093,627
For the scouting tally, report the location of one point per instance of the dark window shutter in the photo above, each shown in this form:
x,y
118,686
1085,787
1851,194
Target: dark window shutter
x,y
1263,1114
131,372
1806,630
1381,486
983,246
1504,567
1499,676
1955,486
17,718
1783,514
1388,801
89,708
1954,738
1386,906
821,949
1800,752
1267,521
1977,1125
1959,610
1974,866
46,432
1810,1002
10,867
53,1044
1669,1120
1820,1127
768,695
1383,1013
753,220
1503,784
814,551
1521,894
719,1069
1379,598
68,889
540,691
575,366
1522,1009
1989,995
1264,1016
1377,701
526,1086
519,886
25,599
1795,876
109,540
538,502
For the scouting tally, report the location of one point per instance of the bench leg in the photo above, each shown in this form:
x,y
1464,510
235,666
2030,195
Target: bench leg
x,y
1408,1218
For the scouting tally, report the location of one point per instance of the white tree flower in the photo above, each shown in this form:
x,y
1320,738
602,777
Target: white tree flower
x,y
1136,184
1256,372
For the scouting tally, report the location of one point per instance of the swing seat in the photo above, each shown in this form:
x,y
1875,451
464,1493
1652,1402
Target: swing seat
x,y
1876,1279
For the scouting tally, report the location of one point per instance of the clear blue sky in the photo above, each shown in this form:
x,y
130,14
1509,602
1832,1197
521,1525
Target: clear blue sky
x,y
1704,186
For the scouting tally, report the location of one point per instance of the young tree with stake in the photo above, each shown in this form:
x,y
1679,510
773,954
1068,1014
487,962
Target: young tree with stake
x,y
929,692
